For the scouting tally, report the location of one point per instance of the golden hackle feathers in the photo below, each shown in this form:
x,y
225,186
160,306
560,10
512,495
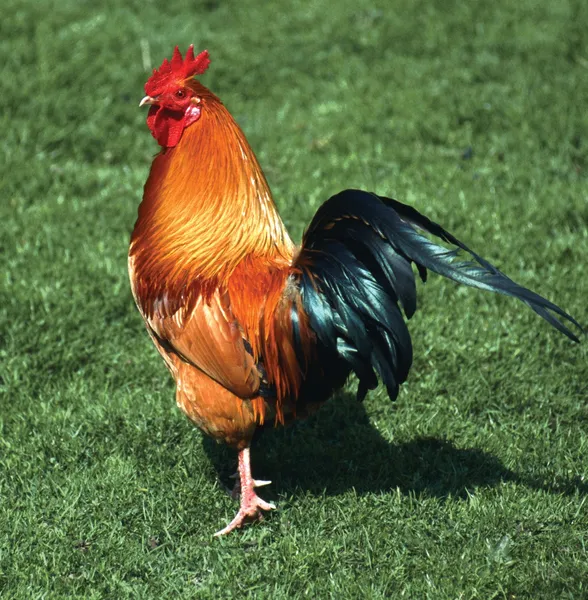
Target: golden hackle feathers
x,y
206,208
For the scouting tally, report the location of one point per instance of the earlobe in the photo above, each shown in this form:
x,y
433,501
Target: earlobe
x,y
192,114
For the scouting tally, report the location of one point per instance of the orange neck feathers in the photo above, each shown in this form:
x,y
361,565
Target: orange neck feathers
x,y
206,207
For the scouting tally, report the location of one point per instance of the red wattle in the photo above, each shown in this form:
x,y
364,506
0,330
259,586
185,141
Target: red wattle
x,y
167,126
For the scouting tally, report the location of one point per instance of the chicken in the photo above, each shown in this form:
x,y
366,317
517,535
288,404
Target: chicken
x,y
256,331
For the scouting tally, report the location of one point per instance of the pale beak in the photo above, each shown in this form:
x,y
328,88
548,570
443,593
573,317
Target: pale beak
x,y
147,100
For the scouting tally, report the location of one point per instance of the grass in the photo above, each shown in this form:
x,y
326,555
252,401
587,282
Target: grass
x,y
473,485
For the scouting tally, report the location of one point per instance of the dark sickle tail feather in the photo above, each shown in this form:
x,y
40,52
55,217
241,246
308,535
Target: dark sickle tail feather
x,y
355,271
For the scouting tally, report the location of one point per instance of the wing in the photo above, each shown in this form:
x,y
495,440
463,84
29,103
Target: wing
x,y
209,338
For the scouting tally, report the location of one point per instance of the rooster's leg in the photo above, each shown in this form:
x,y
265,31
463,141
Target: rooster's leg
x,y
251,503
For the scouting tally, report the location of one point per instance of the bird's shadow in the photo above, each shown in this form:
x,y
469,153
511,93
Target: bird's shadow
x,y
339,449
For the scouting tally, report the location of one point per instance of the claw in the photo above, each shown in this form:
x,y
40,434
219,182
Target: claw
x,y
251,512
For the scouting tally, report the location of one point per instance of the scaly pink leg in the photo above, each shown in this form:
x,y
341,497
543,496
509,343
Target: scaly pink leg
x,y
251,503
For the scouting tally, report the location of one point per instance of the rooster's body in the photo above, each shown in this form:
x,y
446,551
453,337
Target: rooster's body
x,y
254,330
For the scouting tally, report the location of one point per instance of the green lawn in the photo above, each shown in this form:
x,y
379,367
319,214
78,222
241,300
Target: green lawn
x,y
474,483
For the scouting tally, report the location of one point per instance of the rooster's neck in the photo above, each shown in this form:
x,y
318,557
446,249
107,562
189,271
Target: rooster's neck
x,y
206,207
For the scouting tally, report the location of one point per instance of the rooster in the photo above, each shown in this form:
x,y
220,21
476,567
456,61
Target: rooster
x,y
255,330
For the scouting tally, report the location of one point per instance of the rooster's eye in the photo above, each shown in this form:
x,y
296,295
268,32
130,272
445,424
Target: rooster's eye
x,y
180,94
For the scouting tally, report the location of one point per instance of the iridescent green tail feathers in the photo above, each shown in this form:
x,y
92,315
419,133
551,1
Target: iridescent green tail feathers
x,y
356,272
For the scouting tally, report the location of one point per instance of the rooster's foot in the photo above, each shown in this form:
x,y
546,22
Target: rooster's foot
x,y
251,503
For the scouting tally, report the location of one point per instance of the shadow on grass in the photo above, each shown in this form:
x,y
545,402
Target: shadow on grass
x,y
338,449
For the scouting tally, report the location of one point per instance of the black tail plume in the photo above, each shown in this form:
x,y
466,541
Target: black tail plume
x,y
355,266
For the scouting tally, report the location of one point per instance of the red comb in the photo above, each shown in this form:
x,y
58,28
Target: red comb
x,y
177,70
